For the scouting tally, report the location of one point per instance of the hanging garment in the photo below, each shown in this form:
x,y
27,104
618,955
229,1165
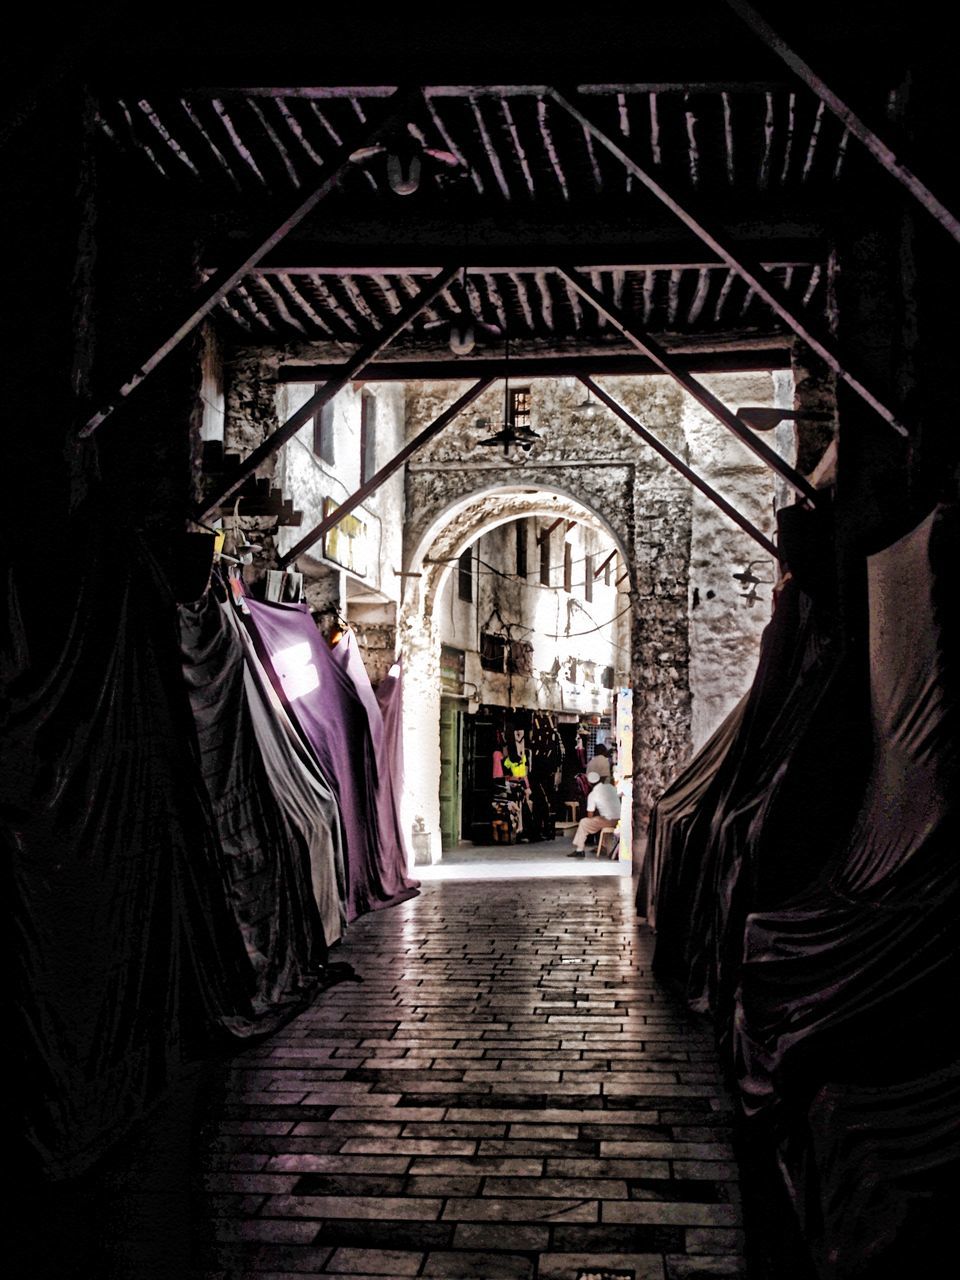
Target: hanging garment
x,y
268,882
298,785
394,856
513,767
338,724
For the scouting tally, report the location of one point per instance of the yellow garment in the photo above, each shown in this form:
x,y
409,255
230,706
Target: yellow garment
x,y
515,768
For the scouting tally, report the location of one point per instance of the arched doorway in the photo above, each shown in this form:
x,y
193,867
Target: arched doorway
x,y
433,560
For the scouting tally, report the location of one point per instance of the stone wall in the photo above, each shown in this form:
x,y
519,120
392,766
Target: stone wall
x,y
256,405
591,458
726,621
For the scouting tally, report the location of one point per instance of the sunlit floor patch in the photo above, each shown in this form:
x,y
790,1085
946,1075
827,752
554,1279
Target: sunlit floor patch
x,y
545,859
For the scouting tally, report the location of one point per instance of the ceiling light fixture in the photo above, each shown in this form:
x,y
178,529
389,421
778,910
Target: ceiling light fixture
x,y
510,433
587,406
463,324
406,151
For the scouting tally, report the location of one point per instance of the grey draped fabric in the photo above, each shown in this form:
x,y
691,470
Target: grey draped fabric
x,y
268,877
298,785
338,717
756,817
673,824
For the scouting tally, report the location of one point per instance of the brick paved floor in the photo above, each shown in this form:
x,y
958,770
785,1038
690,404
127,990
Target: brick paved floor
x,y
508,1093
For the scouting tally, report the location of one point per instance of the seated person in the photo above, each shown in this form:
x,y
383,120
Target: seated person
x,y
603,812
599,762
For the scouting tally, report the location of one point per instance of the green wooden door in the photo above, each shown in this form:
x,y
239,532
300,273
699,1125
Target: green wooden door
x,y
451,771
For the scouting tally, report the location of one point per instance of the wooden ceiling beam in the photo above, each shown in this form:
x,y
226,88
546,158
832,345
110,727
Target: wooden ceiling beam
x,y
543,366
332,92
217,288
667,258
880,151
805,327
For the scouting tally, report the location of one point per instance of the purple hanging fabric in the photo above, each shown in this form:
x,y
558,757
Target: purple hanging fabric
x,y
389,696
392,855
342,725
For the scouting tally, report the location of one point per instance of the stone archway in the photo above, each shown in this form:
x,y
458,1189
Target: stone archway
x,y
687,632
442,532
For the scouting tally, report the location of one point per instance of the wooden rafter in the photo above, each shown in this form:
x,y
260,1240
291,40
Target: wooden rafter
x,y
220,285
758,279
874,144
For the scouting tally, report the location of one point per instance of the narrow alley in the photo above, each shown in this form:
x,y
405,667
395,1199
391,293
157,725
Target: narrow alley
x,y
507,1093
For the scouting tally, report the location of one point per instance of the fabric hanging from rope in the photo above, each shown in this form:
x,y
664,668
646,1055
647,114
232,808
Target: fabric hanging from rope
x,y
298,786
269,885
335,719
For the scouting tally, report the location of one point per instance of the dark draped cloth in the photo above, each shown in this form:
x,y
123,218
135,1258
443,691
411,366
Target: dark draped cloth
x,y
338,717
758,813
672,854
846,1028
269,881
126,956
298,786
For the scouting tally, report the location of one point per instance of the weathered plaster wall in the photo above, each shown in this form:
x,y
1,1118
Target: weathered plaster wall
x,y
307,479
256,405
725,624
558,625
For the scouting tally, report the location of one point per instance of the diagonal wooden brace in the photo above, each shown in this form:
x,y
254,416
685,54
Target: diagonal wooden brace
x,y
679,465
329,389
758,279
220,285
633,332
377,479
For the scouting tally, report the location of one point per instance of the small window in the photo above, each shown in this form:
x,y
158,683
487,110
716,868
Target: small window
x,y
368,435
588,578
545,559
451,670
521,528
567,567
465,575
606,571
323,432
492,651
520,406
519,657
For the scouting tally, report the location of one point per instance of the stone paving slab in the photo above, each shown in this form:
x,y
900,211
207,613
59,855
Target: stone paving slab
x,y
508,1094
